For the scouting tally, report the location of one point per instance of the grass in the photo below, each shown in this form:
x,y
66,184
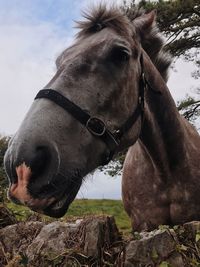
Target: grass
x,y
84,207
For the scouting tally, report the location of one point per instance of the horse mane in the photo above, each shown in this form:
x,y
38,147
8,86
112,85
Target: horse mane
x,y
120,21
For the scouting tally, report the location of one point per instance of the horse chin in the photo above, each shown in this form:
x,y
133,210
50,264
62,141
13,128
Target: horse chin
x,y
56,210
60,206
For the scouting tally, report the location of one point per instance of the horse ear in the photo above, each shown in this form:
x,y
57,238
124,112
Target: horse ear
x,y
145,22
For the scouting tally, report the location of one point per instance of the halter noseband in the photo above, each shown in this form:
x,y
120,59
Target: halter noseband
x,y
93,124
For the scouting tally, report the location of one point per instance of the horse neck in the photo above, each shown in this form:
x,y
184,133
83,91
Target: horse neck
x,y
164,131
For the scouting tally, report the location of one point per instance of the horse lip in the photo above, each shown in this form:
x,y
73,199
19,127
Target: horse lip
x,y
38,204
60,206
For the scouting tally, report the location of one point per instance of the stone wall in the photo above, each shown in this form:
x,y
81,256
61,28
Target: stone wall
x,y
96,241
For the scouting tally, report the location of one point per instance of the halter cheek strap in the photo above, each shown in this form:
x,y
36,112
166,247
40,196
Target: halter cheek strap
x,y
93,124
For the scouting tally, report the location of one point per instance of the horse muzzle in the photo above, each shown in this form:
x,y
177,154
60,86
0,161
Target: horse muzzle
x,y
35,179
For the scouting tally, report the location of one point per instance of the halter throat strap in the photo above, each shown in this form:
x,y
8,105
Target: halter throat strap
x,y
95,125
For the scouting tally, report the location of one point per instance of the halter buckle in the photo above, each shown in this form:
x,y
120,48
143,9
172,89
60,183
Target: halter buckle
x,y
96,126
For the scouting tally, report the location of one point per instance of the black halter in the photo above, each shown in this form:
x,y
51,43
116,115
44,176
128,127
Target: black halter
x,y
93,124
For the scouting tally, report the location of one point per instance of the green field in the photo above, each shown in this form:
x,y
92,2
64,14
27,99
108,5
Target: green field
x,y
84,207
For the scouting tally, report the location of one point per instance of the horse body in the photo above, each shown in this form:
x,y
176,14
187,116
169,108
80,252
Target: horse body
x,y
161,171
102,73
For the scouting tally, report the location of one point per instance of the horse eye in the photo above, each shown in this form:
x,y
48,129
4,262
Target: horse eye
x,y
120,54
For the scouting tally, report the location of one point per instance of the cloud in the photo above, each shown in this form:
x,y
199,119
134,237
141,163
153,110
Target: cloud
x,y
180,80
101,186
108,2
27,63
29,45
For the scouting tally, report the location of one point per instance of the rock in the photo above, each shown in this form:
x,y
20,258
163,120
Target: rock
x,y
38,243
193,230
98,234
14,239
175,260
54,239
153,248
87,236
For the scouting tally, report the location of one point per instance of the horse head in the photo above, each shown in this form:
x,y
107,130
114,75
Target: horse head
x,y
100,75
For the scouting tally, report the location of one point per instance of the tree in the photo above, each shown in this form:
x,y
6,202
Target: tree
x,y
179,21
189,108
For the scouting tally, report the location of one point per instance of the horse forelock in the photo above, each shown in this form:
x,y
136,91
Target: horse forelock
x,y
121,21
101,17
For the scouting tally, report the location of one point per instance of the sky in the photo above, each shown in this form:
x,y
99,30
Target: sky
x,y
32,34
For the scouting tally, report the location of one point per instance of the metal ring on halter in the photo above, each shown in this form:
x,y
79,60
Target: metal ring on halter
x,y
96,126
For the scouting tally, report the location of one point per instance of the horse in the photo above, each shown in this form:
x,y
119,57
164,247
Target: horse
x,y
109,94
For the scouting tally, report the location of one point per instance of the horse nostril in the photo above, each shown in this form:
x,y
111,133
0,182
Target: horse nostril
x,y
30,168
40,160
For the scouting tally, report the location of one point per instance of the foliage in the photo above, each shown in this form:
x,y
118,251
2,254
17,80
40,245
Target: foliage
x,y
179,21
164,264
189,108
115,166
3,181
